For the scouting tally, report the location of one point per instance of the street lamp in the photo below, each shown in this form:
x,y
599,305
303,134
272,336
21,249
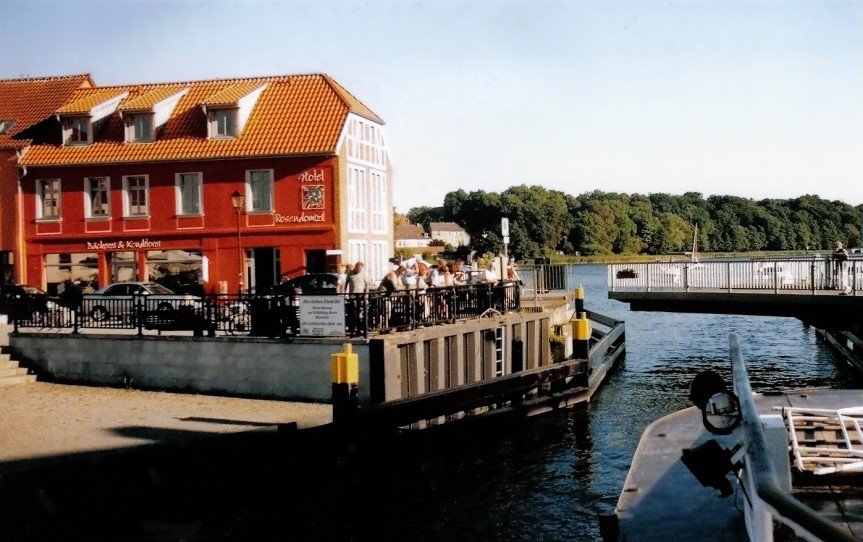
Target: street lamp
x,y
237,200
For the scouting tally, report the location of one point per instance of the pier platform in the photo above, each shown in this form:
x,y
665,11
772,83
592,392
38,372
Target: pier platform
x,y
43,423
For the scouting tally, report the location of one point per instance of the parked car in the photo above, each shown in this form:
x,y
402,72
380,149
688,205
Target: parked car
x,y
119,299
29,299
312,283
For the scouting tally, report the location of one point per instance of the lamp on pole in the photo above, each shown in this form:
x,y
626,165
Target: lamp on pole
x,y
237,200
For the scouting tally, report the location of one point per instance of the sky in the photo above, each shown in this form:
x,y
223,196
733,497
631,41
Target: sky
x,y
755,99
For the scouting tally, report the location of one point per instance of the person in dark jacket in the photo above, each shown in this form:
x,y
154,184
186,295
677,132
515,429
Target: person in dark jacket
x,y
840,275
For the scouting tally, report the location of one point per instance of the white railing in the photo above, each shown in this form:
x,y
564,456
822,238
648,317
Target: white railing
x,y
777,275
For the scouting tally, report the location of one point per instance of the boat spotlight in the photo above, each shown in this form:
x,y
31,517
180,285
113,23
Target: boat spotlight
x,y
720,409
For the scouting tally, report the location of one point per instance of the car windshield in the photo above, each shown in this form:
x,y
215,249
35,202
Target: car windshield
x,y
157,288
32,290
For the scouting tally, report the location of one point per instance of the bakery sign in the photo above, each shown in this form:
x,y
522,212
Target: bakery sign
x,y
123,245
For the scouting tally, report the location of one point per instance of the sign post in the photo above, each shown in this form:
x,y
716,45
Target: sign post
x,y
504,231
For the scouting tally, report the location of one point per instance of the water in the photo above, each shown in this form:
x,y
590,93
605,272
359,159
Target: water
x,y
547,478
551,478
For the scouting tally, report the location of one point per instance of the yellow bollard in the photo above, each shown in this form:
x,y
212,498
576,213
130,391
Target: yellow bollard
x,y
579,301
346,376
581,332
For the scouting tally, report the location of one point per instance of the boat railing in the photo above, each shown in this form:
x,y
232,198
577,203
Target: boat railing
x,y
778,275
767,499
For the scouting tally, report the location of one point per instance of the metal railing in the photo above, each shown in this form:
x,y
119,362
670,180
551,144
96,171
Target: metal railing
x,y
266,315
767,500
545,278
776,275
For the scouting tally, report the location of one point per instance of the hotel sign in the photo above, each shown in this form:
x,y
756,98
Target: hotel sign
x,y
123,245
291,219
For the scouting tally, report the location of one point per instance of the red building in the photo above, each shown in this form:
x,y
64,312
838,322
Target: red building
x,y
139,179
26,109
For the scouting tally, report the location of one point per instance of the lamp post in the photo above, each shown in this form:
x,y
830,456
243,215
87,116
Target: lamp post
x,y
237,200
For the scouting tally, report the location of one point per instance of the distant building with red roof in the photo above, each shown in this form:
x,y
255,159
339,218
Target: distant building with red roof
x,y
136,182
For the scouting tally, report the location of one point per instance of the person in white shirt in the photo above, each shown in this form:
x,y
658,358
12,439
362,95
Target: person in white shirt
x,y
489,275
342,280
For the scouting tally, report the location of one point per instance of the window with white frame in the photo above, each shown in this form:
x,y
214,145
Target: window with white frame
x,y
379,260
48,199
188,193
77,131
379,199
223,123
136,197
97,192
357,200
366,142
357,253
140,128
259,190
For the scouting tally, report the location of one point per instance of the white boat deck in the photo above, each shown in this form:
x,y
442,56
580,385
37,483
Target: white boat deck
x,y
662,500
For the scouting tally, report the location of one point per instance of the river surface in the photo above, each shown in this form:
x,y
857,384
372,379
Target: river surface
x,y
546,478
551,478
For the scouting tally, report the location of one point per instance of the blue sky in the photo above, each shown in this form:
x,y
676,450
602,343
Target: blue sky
x,y
757,99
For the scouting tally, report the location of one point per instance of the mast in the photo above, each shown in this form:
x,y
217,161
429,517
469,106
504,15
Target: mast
x,y
694,243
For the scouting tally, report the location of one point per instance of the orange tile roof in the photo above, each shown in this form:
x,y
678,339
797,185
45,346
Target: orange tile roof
x,y
32,100
86,100
232,94
146,101
356,106
295,114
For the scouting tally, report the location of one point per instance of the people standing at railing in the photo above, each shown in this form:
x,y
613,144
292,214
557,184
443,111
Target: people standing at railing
x,y
357,280
357,287
489,274
840,273
342,279
458,276
391,283
511,271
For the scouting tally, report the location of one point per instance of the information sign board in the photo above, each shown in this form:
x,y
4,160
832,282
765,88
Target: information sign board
x,y
322,315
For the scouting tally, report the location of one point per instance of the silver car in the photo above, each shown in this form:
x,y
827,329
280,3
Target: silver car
x,y
120,299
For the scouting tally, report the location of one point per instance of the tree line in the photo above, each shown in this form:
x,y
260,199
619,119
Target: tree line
x,y
544,222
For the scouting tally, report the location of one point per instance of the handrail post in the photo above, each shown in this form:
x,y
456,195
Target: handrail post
x,y
648,277
139,314
775,277
728,275
76,311
365,308
812,275
686,277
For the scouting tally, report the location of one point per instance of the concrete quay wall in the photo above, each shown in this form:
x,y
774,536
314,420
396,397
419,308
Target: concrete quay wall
x,y
243,366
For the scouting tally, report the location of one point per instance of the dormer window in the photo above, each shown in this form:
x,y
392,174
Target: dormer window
x,y
81,118
223,123
139,129
229,109
77,131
